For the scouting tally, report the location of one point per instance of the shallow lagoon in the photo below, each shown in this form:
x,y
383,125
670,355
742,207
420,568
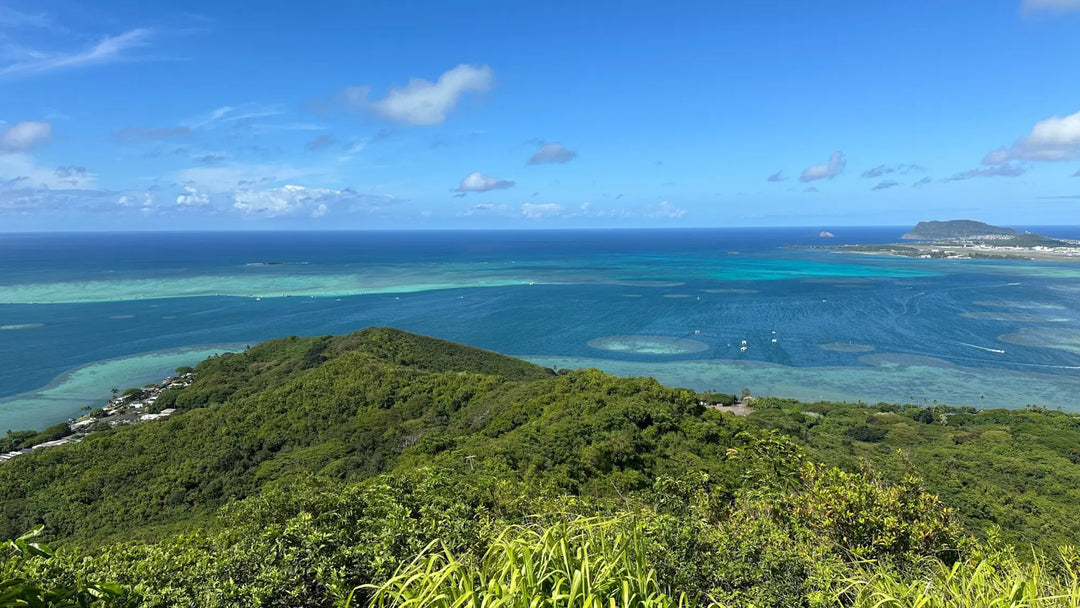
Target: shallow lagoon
x,y
808,318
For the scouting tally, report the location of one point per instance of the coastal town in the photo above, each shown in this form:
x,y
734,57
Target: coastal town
x,y
134,406
968,240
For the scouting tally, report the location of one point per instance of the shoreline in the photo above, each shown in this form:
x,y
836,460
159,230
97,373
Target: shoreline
x,y
83,390
957,252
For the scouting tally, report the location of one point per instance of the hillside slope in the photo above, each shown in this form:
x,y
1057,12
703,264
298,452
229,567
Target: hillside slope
x,y
303,468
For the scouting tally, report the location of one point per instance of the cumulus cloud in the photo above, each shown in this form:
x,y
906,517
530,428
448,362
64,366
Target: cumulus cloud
x,y
25,136
536,211
143,201
553,152
110,49
478,182
776,177
192,198
134,135
1053,139
422,102
886,184
300,201
1003,170
882,170
1052,6
828,170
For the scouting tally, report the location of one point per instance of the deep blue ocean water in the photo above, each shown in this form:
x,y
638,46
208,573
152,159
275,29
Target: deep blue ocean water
x,y
815,322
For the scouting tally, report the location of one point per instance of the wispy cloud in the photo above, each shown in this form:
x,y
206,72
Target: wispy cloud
x,y
300,201
539,211
552,152
777,177
321,142
828,170
881,170
131,135
1049,6
886,184
922,182
10,17
109,50
665,210
486,209
1003,170
243,114
22,170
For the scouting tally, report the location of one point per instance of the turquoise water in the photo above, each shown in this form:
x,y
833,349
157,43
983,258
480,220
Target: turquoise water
x,y
71,391
699,308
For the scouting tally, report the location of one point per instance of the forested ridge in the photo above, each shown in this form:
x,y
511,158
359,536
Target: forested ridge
x,y
386,468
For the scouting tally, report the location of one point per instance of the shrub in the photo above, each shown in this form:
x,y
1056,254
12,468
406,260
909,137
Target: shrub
x,y
868,434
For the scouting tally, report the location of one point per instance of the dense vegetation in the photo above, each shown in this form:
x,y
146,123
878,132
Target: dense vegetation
x,y
392,469
956,229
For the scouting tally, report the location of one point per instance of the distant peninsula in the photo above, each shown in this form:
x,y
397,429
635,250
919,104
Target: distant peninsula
x,y
969,239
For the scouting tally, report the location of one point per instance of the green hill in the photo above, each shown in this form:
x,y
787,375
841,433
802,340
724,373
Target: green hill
x,y
956,229
303,467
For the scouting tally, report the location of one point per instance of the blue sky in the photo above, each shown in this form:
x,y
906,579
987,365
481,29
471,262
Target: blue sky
x,y
380,114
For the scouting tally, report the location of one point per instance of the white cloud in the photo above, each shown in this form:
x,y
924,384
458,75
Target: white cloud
x,y
478,182
192,198
1056,138
136,199
829,170
422,102
536,211
298,200
108,50
25,136
666,210
1052,6
486,208
553,152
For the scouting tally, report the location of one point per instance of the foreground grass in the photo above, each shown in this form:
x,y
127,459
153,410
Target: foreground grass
x,y
598,563
979,583
585,562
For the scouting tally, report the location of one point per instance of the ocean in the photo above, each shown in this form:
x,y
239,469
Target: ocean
x,y
709,309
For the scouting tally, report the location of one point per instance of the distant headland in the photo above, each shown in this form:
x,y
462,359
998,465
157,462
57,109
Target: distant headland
x,y
970,239
957,229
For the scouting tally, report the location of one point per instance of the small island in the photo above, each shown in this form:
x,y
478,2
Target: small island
x,y
969,239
